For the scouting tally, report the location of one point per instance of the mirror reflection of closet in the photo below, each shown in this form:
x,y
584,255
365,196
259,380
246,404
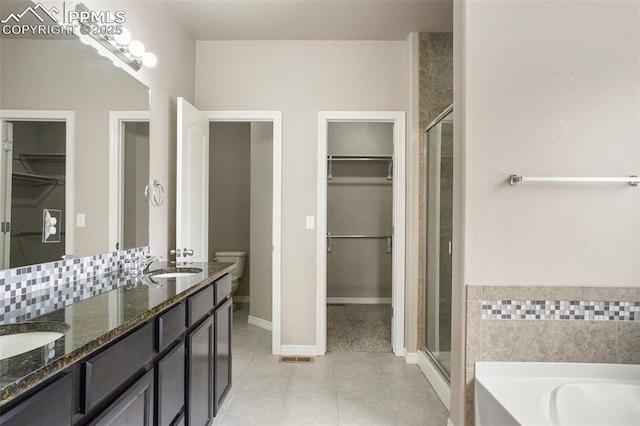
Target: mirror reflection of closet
x,y
36,174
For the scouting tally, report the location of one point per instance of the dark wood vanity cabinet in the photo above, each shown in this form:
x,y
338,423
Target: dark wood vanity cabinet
x,y
49,406
208,352
173,370
133,407
200,368
223,323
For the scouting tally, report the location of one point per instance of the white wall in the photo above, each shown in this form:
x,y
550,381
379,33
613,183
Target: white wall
x,y
558,96
300,78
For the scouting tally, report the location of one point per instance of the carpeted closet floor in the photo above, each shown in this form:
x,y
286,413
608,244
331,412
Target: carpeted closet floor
x,y
358,328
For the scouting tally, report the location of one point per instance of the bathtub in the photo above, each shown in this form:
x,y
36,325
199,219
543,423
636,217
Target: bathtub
x,y
537,394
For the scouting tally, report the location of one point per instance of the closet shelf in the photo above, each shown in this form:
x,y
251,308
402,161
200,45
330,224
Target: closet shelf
x,y
35,180
42,156
360,158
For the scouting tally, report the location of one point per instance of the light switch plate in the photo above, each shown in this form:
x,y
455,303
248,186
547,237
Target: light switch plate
x,y
311,222
80,220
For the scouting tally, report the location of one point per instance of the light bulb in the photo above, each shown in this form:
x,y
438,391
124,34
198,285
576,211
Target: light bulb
x,y
136,48
149,60
123,38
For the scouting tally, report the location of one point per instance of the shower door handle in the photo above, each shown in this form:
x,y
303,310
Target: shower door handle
x,y
450,248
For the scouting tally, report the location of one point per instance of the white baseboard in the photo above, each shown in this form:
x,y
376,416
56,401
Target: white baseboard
x,y
259,322
410,357
434,377
360,300
309,350
241,299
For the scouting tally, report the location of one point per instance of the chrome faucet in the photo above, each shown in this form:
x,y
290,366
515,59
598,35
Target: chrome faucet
x,y
147,261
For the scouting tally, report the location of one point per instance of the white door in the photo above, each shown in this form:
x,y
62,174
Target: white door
x,y
6,162
192,186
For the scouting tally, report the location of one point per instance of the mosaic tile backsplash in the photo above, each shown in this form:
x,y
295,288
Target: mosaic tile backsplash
x,y
30,291
561,310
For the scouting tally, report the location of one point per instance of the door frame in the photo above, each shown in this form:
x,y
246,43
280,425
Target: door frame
x,y
399,209
276,230
68,117
116,182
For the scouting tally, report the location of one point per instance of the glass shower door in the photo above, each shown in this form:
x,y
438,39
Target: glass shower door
x,y
438,244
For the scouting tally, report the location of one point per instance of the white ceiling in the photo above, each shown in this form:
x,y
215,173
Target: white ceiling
x,y
312,19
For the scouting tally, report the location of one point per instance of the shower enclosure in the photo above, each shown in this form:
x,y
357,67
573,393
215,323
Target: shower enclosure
x,y
437,240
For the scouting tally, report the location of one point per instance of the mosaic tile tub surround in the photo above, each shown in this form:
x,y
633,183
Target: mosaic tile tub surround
x,y
550,324
592,310
29,291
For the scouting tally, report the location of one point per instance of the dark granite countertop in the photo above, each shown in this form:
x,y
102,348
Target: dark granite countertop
x,y
97,321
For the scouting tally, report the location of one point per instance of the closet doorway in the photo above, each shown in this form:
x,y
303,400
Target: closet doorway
x,y
360,286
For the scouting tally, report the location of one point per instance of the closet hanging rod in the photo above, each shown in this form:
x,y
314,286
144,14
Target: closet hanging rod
x,y
360,157
631,180
381,236
388,237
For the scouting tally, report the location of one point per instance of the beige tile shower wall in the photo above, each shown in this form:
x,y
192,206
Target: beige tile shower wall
x,y
436,94
547,340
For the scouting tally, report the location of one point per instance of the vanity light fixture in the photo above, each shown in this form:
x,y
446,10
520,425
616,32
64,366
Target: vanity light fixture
x,y
121,46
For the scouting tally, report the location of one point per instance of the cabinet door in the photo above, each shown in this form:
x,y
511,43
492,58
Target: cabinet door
x,y
223,320
133,407
200,374
49,406
170,385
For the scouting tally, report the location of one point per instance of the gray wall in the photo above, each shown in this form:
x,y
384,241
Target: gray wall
x,y
136,177
300,78
359,200
261,219
230,192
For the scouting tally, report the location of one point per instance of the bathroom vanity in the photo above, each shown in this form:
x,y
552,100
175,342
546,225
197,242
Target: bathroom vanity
x,y
156,354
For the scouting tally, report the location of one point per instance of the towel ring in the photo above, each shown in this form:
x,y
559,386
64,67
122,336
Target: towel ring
x,y
157,193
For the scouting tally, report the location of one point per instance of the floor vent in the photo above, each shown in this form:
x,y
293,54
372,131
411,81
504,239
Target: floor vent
x,y
307,359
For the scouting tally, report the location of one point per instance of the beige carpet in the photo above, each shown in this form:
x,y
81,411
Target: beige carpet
x,y
359,328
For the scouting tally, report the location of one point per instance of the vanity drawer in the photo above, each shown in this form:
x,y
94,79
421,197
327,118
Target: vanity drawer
x,y
223,288
199,305
106,371
171,326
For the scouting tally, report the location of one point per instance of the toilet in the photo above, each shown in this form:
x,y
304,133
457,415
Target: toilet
x,y
237,257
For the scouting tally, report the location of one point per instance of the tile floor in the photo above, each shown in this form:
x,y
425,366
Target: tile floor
x,y
341,388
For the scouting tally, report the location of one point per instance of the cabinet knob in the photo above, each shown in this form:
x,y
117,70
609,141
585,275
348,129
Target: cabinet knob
x,y
175,252
187,252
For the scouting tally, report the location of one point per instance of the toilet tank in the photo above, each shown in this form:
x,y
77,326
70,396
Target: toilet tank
x,y
237,257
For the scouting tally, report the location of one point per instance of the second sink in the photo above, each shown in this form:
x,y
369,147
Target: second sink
x,y
174,272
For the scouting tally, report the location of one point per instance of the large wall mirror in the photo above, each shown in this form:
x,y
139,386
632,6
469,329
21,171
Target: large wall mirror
x,y
75,154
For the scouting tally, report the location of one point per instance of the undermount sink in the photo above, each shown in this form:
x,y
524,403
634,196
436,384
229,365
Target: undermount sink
x,y
16,339
174,272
